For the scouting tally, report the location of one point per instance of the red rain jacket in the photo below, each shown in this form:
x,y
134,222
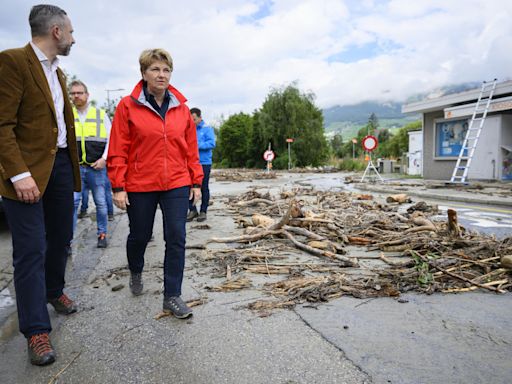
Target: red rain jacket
x,y
148,154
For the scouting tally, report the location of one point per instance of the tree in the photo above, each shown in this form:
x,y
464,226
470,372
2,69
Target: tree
x,y
399,143
233,140
337,145
288,113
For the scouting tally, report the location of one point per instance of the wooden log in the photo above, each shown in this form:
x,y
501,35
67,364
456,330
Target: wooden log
x,y
399,198
453,224
255,202
359,240
243,238
506,261
303,232
260,220
318,252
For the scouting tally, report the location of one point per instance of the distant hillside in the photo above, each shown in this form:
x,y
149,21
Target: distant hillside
x,y
348,119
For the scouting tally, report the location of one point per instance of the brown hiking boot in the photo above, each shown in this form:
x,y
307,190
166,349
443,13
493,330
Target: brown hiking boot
x,y
192,215
40,349
63,305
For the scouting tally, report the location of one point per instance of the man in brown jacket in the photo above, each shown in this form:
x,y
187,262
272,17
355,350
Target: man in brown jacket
x,y
38,173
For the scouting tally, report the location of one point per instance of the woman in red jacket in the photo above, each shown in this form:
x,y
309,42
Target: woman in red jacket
x,y
153,160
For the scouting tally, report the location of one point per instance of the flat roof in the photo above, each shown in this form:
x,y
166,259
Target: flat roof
x,y
440,103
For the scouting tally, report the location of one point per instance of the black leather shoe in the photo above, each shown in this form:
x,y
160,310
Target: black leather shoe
x,y
40,349
63,305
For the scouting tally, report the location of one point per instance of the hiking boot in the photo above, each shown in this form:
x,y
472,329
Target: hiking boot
x,y
177,307
136,285
202,216
110,217
192,215
40,349
82,214
102,240
63,305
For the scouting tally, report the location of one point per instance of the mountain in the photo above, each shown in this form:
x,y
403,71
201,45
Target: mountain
x,y
348,119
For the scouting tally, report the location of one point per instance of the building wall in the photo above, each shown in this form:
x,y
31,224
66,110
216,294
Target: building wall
x,y
486,163
505,159
433,169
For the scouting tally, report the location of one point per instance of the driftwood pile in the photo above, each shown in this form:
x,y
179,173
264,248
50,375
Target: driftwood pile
x,y
238,176
329,244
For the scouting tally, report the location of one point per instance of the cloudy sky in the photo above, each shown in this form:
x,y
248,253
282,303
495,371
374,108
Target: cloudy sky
x,y
229,53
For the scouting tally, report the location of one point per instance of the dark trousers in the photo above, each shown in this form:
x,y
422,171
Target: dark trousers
x,y
41,233
205,190
141,213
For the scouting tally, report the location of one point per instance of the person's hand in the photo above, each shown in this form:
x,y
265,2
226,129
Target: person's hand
x,y
120,199
27,190
195,195
99,164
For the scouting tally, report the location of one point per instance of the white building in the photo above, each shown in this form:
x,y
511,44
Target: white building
x,y
445,121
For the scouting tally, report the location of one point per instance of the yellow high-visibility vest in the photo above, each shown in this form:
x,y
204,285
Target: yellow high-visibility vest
x,y
91,134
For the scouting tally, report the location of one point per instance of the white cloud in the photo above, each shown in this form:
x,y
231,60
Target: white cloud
x,y
229,53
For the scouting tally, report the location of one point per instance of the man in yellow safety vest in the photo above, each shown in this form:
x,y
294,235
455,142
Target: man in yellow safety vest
x,y
92,128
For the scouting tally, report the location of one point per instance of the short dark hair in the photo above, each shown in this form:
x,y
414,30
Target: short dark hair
x,y
197,111
44,16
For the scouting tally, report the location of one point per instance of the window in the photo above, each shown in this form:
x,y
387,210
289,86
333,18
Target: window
x,y
449,136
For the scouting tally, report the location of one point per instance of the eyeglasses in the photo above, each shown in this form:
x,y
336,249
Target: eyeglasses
x,y
76,93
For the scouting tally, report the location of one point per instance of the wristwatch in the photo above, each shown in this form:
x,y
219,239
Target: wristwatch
x,y
196,186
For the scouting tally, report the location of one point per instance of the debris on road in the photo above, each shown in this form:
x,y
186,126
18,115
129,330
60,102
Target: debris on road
x,y
309,243
244,175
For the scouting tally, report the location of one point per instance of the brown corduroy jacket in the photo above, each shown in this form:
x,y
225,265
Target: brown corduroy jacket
x,y
28,123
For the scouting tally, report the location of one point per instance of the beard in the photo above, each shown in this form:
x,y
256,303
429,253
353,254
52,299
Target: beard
x,y
63,48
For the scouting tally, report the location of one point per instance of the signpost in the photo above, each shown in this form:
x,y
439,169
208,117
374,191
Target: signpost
x,y
289,141
370,144
354,142
268,156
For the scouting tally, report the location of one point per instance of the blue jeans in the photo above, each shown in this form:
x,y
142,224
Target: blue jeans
x,y
141,214
205,190
95,181
108,195
41,233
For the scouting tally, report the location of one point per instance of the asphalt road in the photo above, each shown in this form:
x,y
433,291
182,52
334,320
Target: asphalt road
x,y
461,338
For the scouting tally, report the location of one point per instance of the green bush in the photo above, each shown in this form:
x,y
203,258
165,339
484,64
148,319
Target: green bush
x,y
352,165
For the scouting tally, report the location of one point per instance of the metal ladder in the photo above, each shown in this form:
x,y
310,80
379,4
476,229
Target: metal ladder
x,y
460,172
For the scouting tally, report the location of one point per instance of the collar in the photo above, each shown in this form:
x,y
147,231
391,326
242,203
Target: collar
x,y
42,57
150,97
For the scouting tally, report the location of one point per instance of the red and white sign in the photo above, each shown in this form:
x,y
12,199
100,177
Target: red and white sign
x,y
370,143
289,140
268,155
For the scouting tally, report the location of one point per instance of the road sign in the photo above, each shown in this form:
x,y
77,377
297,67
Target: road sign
x,y
289,140
370,143
268,155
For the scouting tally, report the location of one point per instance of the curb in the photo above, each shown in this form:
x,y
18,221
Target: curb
x,y
465,199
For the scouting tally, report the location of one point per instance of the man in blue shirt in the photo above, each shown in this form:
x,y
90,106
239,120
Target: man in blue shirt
x,y
206,143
